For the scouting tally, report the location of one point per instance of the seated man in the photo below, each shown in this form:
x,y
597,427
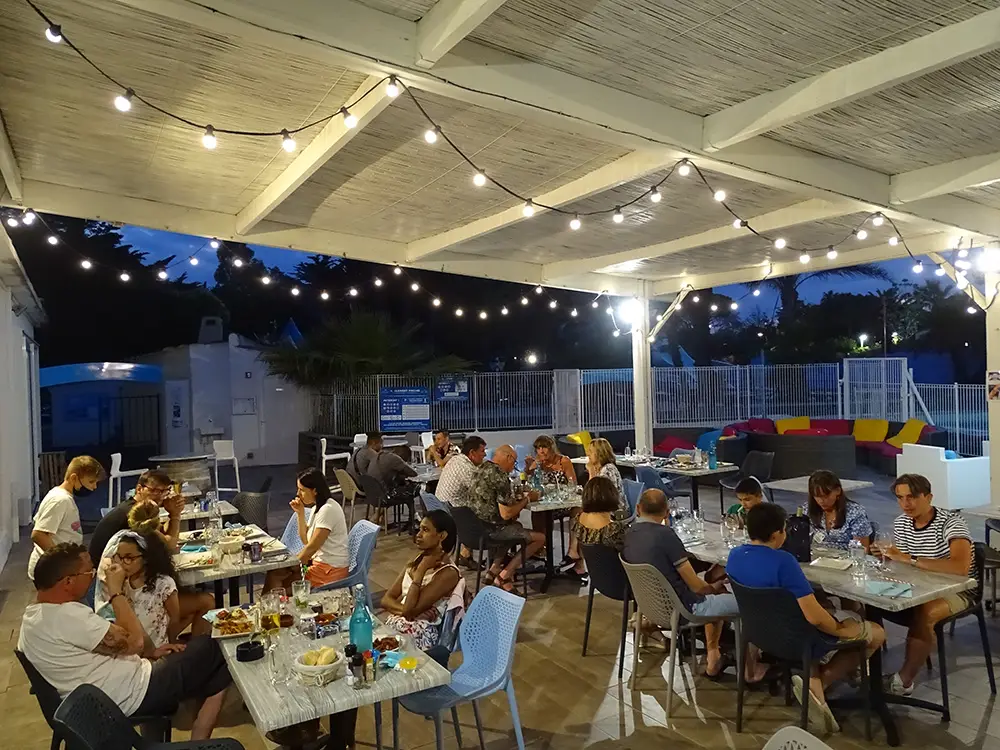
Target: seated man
x,y
763,564
70,645
456,480
491,498
931,539
650,541
385,466
442,451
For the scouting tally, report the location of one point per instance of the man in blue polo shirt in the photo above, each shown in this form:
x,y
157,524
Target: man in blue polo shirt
x,y
763,564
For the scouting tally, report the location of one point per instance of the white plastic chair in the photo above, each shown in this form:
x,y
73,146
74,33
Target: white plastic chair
x,y
418,452
115,490
360,439
794,738
224,451
324,456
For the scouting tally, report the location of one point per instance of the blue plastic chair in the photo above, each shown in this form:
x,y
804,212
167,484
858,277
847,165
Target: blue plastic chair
x,y
486,640
708,439
632,491
290,536
430,501
360,548
652,480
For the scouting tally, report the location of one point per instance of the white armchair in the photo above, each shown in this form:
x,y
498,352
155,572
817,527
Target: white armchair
x,y
958,483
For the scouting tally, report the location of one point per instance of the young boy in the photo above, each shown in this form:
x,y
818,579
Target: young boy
x,y
58,519
749,492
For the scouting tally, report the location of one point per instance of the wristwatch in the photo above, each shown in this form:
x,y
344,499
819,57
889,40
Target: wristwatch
x,y
913,561
112,597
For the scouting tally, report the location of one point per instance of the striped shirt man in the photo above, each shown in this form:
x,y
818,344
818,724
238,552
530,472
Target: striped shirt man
x,y
933,540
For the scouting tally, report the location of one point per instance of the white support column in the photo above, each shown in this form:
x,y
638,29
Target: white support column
x,y
642,378
10,174
993,407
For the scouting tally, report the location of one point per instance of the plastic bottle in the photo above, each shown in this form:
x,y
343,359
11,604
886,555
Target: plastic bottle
x,y
713,461
856,553
361,621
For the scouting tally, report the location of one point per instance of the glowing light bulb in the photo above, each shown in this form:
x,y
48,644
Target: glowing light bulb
x,y
714,308
574,223
214,244
28,217
86,264
862,234
720,195
459,312
353,292
971,310
538,289
238,262
760,334
414,287
350,121
524,300
193,261
961,282
124,276
479,179
503,311
831,254
734,305
618,217
378,281
162,275
123,102
918,267
392,87
616,333
696,298
431,135
287,142
552,304
324,296
939,271
436,302
739,223
265,280
780,243
54,34
531,359
295,291
963,253
209,140
655,196
684,169
12,222
595,304
573,312
483,315
397,270
878,220
53,240
528,210
963,264
894,240
804,258
756,292
609,310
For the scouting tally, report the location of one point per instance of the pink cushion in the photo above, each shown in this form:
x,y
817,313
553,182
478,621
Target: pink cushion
x,y
887,450
869,444
765,426
832,426
735,429
810,431
668,444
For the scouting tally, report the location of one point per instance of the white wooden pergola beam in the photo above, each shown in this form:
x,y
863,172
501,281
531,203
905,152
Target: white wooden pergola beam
x,y
872,253
940,179
982,301
800,213
629,167
448,23
920,56
9,170
334,136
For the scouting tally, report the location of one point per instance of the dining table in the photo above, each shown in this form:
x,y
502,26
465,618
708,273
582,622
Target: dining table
x,y
279,705
193,512
564,498
196,568
924,585
426,473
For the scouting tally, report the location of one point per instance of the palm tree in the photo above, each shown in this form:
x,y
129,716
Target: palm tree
x,y
787,287
363,344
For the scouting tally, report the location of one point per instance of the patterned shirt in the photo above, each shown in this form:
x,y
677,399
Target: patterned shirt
x,y
934,539
456,480
490,489
856,526
610,471
612,535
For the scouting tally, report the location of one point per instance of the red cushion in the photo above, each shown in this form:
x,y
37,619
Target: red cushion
x,y
765,426
810,431
887,450
735,429
832,426
670,442
869,444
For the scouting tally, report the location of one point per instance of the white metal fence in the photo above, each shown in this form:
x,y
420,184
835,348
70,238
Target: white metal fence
x,y
960,409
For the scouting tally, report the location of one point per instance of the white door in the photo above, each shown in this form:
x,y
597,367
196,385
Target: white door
x,y
284,413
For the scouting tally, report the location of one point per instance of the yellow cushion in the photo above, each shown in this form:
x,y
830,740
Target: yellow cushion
x,y
583,438
908,433
792,423
870,430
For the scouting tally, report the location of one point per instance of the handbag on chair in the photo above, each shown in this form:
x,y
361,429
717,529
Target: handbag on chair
x,y
798,537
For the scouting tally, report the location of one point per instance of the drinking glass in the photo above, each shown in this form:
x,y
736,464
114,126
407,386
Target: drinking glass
x,y
731,529
300,593
270,612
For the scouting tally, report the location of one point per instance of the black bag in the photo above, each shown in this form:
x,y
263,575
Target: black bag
x,y
798,538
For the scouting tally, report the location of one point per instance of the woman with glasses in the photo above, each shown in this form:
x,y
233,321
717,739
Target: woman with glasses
x,y
151,581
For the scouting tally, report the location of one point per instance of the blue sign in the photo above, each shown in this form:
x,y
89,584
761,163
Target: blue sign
x,y
404,409
450,388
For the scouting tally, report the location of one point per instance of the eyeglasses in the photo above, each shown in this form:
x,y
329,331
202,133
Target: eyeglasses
x,y
90,574
156,490
126,558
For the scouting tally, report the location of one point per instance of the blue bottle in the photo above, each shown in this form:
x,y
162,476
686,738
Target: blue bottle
x,y
361,621
713,461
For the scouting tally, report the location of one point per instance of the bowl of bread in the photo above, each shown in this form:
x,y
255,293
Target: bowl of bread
x,y
320,666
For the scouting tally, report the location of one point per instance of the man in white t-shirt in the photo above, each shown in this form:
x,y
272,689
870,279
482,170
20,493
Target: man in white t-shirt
x,y
70,645
58,518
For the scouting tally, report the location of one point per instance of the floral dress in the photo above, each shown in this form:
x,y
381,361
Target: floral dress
x,y
856,526
612,535
610,471
425,629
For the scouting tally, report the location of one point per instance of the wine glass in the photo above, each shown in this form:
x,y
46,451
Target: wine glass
x,y
731,529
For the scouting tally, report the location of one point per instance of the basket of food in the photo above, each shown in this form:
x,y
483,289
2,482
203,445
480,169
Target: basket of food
x,y
320,666
231,545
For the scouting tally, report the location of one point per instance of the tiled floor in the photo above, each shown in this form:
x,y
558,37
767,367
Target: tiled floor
x,y
568,701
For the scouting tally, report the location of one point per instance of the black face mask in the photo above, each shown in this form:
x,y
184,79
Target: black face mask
x,y
83,492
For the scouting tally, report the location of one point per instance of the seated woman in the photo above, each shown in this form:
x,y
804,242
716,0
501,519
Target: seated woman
x,y
832,513
597,523
749,493
418,599
550,465
324,537
151,581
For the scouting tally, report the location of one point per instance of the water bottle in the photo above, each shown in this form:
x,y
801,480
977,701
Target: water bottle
x,y
713,462
361,621
856,553
628,450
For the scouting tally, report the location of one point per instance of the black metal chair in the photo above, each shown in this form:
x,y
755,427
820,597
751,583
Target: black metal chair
x,y
476,535
773,621
94,722
266,485
378,497
49,700
608,577
757,464
252,507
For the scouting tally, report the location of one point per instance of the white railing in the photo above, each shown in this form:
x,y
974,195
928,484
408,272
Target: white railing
x,y
960,409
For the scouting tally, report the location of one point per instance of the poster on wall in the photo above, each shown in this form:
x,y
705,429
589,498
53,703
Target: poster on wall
x,y
451,388
404,409
993,385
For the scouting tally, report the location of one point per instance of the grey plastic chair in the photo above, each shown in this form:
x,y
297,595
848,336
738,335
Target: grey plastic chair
x,y
430,501
253,507
657,601
349,489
